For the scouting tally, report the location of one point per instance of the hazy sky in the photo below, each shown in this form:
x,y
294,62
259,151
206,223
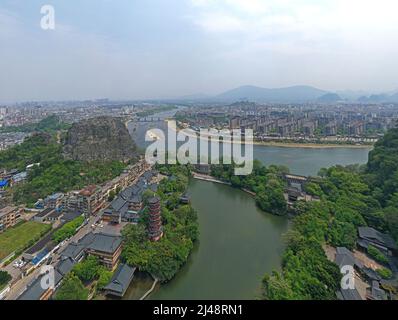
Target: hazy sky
x,y
166,48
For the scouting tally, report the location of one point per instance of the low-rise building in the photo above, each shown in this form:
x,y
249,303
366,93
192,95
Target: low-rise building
x,y
107,248
19,178
345,258
383,242
54,201
120,281
9,217
42,215
91,200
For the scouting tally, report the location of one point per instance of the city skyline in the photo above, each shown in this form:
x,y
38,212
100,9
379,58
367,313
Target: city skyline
x,y
158,50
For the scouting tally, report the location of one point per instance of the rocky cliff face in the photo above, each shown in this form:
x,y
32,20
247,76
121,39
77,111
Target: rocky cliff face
x,y
102,138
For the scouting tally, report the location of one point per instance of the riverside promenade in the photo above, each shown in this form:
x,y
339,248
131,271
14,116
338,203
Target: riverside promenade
x,y
208,178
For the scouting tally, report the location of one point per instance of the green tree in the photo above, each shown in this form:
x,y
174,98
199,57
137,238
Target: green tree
x,y
5,277
68,229
377,254
272,201
385,273
71,289
275,287
87,270
104,277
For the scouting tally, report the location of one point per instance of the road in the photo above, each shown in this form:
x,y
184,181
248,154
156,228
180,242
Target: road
x,y
19,286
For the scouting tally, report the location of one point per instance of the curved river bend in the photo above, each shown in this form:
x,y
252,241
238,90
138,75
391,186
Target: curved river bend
x,y
238,242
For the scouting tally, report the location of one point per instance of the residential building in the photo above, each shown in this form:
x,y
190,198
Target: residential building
x,y
54,201
91,200
9,217
331,129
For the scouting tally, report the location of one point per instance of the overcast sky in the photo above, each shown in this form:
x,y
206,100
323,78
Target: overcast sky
x,y
166,48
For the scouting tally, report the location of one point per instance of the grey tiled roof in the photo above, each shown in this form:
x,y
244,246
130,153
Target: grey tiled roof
x,y
71,215
33,292
73,251
121,280
345,257
349,294
105,243
370,233
65,266
118,203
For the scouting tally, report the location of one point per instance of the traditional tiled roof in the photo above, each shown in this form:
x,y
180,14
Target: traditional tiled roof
x,y
374,235
121,280
105,243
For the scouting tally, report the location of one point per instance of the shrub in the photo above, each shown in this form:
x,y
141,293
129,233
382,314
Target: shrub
x,y
384,273
377,255
68,230
4,278
72,289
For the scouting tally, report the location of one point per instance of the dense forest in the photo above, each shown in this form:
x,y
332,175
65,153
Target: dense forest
x,y
164,258
351,196
54,174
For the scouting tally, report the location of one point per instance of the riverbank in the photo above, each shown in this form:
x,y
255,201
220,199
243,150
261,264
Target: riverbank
x,y
290,144
310,145
208,178
283,144
233,231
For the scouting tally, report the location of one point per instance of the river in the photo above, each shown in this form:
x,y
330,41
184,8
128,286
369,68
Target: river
x,y
238,242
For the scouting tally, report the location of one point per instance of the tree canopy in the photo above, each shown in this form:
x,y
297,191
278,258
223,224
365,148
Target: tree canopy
x,y
165,257
55,174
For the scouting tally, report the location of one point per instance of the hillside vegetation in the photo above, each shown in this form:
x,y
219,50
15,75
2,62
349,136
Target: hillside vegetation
x,y
351,196
50,124
55,173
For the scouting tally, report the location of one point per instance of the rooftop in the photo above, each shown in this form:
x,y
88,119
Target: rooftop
x,y
349,294
105,243
88,191
121,280
153,200
73,251
44,213
370,233
55,196
71,215
65,265
6,210
345,257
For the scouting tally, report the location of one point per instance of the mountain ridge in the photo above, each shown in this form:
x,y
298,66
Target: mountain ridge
x,y
298,93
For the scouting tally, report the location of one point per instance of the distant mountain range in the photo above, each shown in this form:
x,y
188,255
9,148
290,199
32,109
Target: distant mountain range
x,y
294,94
378,98
258,94
279,95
